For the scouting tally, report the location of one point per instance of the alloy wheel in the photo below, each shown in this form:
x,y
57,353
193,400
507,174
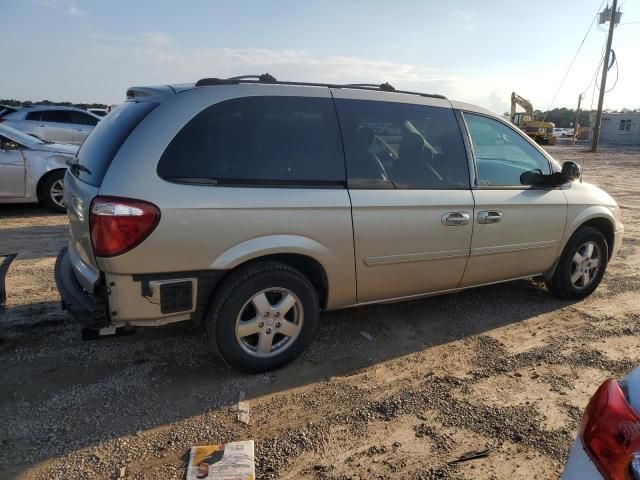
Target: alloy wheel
x,y
585,265
56,192
269,323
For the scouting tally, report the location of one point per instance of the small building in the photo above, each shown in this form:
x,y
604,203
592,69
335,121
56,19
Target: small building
x,y
619,128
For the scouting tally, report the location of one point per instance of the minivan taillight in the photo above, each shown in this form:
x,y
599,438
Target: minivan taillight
x,y
610,432
119,224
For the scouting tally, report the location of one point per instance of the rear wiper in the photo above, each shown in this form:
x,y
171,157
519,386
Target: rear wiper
x,y
193,180
77,167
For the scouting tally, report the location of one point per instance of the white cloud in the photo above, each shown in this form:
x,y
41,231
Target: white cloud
x,y
464,14
69,7
47,3
154,38
111,64
467,17
75,11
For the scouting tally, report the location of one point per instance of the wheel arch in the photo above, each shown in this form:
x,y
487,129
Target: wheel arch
x,y
605,227
43,179
598,217
303,254
308,266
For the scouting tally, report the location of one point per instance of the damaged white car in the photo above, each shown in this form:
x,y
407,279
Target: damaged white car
x,y
32,170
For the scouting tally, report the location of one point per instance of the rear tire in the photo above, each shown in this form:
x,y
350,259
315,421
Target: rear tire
x,y
52,191
263,316
581,266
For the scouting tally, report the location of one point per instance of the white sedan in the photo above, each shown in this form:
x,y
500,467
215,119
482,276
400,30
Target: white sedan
x,y
32,170
53,123
608,443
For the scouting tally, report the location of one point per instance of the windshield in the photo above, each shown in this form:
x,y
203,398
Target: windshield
x,y
19,136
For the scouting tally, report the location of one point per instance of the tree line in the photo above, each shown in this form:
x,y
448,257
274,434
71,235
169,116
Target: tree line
x,y
564,117
561,117
18,103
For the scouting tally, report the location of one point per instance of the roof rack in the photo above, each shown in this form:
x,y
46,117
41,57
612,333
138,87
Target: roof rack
x,y
270,79
386,87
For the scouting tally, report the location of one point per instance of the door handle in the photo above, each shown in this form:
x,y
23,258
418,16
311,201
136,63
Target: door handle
x,y
453,219
489,216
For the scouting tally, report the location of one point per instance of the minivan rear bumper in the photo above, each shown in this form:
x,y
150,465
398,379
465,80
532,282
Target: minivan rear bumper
x,y
88,309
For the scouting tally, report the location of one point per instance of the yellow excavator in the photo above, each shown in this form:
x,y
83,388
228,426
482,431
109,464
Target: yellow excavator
x,y
541,132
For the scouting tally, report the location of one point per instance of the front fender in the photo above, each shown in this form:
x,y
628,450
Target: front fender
x,y
579,219
38,164
589,213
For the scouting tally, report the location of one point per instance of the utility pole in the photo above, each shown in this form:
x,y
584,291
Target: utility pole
x,y
603,82
575,122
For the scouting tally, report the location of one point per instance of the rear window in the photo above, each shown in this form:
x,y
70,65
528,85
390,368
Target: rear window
x,y
6,110
80,118
259,141
107,137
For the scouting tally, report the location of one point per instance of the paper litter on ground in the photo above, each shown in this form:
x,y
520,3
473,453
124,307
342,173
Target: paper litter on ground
x,y
231,461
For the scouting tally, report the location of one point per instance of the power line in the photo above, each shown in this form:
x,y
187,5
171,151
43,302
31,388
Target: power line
x,y
574,59
593,95
605,69
595,75
614,61
616,81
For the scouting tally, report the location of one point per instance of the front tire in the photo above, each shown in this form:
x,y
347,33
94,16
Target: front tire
x,y
581,266
53,191
263,316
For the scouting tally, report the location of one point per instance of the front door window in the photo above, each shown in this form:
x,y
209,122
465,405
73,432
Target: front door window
x,y
503,156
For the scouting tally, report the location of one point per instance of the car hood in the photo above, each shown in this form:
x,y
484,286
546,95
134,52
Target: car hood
x,y
57,148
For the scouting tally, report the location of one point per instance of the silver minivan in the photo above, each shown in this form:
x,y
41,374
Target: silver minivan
x,y
250,205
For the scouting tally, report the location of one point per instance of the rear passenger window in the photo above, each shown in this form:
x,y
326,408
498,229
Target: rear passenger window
x,y
259,140
56,116
398,145
36,116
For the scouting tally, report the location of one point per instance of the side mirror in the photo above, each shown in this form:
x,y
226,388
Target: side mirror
x,y
532,177
570,171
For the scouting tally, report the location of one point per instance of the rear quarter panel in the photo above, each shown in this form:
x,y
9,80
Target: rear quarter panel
x,y
213,227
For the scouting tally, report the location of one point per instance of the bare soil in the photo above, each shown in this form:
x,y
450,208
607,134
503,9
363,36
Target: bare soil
x,y
507,367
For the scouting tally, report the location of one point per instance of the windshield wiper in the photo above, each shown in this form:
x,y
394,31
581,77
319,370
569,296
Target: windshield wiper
x,y
499,159
77,167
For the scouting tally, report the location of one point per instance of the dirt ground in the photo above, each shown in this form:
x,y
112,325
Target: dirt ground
x,y
507,367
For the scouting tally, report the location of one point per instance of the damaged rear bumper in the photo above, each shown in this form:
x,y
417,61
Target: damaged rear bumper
x,y
90,310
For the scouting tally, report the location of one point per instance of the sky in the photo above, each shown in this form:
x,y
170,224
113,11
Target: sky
x,y
473,51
